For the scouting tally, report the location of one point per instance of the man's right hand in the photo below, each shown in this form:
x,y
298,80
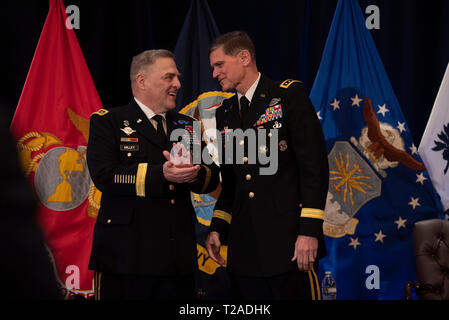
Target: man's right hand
x,y
183,173
213,246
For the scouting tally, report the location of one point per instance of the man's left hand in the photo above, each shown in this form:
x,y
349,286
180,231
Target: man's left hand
x,y
306,249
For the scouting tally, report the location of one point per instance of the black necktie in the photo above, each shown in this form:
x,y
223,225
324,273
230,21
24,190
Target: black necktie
x,y
244,108
160,129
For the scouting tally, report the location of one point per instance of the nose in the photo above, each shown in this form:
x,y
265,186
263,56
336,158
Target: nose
x,y
177,82
215,73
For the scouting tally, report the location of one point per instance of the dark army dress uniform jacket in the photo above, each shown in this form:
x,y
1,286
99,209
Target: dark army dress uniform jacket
x,y
145,224
261,216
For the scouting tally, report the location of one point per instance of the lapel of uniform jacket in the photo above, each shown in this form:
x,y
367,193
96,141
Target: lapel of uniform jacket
x,y
143,125
173,123
231,113
259,103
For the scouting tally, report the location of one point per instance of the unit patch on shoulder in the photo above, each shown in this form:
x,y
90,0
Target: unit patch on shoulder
x,y
287,83
101,112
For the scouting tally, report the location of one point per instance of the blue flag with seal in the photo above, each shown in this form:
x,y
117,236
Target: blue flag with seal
x,y
378,185
199,97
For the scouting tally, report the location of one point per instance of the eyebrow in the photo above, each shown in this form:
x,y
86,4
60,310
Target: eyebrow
x,y
171,74
217,63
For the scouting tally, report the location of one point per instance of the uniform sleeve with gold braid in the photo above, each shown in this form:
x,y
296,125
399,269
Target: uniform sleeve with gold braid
x,y
108,174
308,144
222,216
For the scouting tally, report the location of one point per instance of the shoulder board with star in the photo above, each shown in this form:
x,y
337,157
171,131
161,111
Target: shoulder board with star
x,y
101,112
287,83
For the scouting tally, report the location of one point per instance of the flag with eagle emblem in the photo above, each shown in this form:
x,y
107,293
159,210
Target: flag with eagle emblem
x,y
378,184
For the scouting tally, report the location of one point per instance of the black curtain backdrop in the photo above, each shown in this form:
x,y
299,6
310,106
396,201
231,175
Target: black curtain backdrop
x,y
289,37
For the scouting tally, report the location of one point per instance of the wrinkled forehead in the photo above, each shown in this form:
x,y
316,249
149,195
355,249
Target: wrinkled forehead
x,y
218,56
163,66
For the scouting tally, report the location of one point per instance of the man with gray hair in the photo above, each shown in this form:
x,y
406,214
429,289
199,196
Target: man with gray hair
x,y
144,243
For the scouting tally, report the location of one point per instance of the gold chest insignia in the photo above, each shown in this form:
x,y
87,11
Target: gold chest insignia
x,y
128,130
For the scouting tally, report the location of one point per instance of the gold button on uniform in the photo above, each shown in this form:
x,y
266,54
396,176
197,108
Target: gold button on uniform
x,y
171,187
245,159
129,154
263,149
109,221
248,177
251,195
172,201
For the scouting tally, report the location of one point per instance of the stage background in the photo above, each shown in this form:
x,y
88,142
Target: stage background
x,y
289,40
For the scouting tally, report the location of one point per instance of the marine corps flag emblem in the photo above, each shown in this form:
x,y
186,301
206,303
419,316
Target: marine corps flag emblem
x,y
51,127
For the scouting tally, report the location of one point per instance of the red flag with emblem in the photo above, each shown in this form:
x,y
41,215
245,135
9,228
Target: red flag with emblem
x,y
51,127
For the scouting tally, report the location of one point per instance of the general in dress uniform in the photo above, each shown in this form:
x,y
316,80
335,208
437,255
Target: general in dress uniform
x,y
144,242
272,223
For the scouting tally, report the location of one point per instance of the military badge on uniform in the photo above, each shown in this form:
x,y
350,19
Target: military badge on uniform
x,y
127,129
272,113
274,102
129,147
287,83
283,145
101,112
277,125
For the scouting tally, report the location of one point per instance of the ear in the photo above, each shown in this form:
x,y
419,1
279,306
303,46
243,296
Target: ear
x,y
245,57
140,80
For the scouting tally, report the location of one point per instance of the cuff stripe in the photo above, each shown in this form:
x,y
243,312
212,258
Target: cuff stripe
x,y
222,215
140,180
312,213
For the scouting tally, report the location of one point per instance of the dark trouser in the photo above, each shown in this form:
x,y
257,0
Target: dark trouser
x,y
135,287
293,285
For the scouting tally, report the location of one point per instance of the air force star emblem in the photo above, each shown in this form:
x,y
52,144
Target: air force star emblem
x,y
352,184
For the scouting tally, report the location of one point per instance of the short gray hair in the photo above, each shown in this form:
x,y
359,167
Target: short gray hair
x,y
147,58
234,42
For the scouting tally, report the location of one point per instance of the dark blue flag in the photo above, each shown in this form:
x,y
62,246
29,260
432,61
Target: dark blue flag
x,y
199,97
378,185
192,53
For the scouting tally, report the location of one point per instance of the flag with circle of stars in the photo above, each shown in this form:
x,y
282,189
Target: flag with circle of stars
x,y
378,185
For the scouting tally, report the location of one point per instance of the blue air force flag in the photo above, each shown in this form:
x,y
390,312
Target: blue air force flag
x,y
199,97
434,146
378,186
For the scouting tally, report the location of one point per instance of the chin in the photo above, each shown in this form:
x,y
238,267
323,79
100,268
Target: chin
x,y
171,106
226,88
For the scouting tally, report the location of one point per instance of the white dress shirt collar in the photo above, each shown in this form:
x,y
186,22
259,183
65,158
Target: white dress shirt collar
x,y
250,93
148,112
